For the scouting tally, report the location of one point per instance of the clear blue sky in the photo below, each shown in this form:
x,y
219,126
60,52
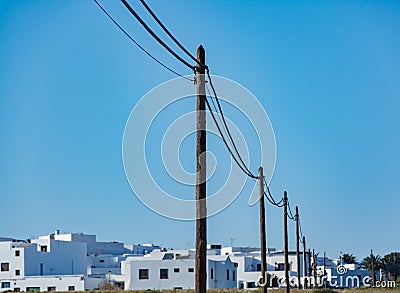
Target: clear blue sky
x,y
327,73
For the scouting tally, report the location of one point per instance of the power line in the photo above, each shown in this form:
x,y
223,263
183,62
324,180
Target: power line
x,y
271,198
170,34
154,35
137,44
290,214
224,140
133,12
249,173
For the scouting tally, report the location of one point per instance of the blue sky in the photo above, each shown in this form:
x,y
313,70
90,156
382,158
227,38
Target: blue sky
x,y
326,72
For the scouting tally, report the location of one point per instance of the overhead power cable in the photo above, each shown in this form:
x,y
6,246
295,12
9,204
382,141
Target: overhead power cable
x,y
170,34
137,44
290,214
224,140
269,195
154,35
248,172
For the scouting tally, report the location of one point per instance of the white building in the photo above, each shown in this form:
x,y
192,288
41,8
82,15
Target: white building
x,y
72,262
24,265
174,269
249,265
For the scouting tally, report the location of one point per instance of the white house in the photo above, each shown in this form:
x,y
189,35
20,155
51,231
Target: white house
x,y
24,265
175,269
249,265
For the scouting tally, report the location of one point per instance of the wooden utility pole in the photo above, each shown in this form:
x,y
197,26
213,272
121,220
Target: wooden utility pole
x,y
314,268
298,247
285,233
305,264
201,207
262,230
309,264
372,269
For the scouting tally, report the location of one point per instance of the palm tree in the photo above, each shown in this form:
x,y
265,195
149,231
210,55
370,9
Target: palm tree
x,y
391,265
366,263
349,258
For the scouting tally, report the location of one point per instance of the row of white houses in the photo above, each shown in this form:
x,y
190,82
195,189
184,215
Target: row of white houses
x,y
77,262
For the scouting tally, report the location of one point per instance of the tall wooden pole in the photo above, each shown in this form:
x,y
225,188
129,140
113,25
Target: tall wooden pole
x,y
201,207
262,230
314,268
298,247
286,248
305,264
372,269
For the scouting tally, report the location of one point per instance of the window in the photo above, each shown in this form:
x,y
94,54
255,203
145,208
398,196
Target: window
x,y
190,270
212,274
5,285
102,260
41,269
16,289
280,267
233,276
251,284
17,253
227,275
143,274
163,273
17,272
71,288
43,248
5,266
51,289
176,270
258,267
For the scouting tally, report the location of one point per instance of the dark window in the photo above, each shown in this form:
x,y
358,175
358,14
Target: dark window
x,y
43,248
32,289
17,289
143,274
5,285
251,284
51,289
163,273
235,264
212,274
17,272
102,260
258,267
71,288
17,253
227,275
280,267
233,276
190,270
41,269
5,266
176,270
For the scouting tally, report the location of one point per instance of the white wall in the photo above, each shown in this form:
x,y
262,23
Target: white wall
x,y
182,279
7,255
61,258
62,283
